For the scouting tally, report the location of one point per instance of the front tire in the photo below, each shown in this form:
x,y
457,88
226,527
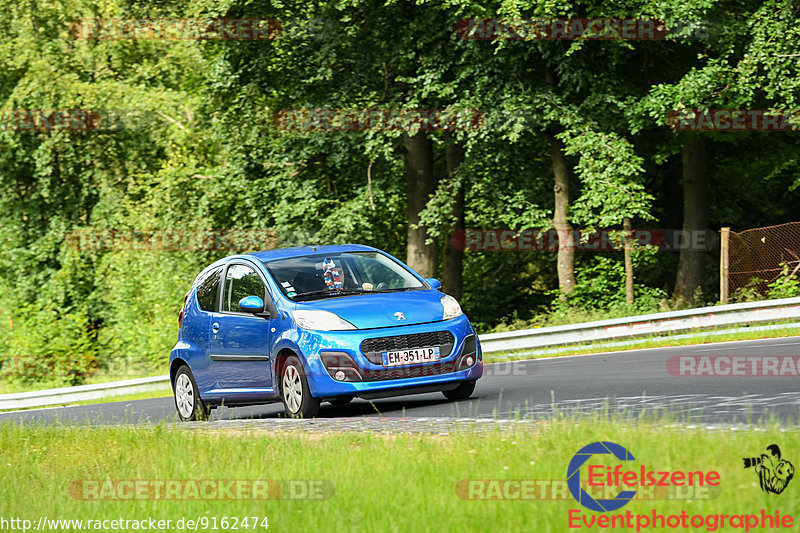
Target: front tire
x,y
462,392
187,398
296,395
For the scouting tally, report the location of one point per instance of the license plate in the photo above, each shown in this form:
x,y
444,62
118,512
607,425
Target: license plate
x,y
411,357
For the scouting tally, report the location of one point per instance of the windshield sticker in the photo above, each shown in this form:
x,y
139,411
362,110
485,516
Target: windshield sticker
x,y
331,275
291,294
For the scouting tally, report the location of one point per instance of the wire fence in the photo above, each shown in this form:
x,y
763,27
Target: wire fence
x,y
759,256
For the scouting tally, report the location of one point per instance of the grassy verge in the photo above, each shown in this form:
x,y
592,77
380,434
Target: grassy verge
x,y
642,344
379,482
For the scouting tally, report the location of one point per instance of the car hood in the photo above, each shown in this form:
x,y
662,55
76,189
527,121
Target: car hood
x,y
366,311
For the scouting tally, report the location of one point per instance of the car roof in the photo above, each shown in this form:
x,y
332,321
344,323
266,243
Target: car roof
x,y
287,253
299,251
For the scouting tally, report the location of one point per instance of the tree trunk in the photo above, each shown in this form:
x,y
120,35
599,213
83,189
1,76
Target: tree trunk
x,y
628,253
695,218
565,265
566,250
453,257
419,186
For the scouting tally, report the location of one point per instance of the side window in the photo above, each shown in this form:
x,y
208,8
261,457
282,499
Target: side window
x,y
241,281
207,291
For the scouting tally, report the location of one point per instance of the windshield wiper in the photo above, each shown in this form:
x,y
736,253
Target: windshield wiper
x,y
334,292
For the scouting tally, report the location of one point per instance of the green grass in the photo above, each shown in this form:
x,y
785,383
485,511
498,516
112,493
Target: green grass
x,y
381,482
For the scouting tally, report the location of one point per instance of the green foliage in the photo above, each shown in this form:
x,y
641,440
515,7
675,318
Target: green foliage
x,y
787,284
198,150
55,344
749,293
601,286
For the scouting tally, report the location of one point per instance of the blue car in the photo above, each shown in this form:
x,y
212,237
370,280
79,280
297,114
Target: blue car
x,y
318,323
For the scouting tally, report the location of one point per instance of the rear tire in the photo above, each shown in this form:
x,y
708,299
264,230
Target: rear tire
x,y
187,398
295,393
462,392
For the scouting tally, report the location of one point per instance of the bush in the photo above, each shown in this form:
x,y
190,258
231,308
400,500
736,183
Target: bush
x,y
786,285
749,293
143,293
48,345
599,294
601,286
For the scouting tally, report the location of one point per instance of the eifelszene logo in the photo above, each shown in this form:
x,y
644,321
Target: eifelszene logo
x,y
611,477
774,473
605,478
574,476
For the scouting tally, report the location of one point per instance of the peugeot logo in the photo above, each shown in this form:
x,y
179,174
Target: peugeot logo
x,y
400,316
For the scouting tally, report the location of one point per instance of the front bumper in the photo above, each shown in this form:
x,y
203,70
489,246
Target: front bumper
x,y
375,379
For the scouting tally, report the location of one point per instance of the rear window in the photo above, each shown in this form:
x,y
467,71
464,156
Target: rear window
x,y
208,289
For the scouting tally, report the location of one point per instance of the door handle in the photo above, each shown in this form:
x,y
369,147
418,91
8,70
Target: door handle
x,y
215,327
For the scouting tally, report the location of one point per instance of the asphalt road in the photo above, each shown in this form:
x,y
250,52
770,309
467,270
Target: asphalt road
x,y
621,383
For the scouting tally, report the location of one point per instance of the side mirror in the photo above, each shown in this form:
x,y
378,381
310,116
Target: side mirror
x,y
251,304
434,283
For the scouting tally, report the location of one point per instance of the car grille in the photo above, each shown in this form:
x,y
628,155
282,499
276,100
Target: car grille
x,y
372,348
434,369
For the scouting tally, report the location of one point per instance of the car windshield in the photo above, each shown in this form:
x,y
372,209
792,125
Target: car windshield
x,y
318,276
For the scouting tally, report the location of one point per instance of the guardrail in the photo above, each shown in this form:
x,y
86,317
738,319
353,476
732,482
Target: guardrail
x,y
43,398
642,325
617,328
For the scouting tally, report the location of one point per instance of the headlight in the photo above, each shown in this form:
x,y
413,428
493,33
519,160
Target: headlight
x,y
320,320
451,308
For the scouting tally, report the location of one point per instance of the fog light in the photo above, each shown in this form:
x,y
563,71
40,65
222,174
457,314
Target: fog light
x,y
470,360
339,375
